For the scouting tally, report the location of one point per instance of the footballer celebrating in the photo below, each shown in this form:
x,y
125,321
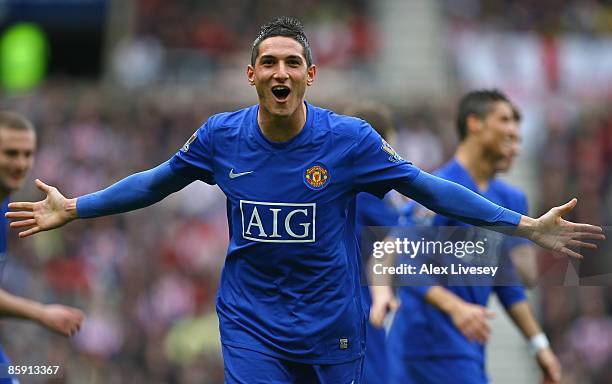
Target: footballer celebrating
x,y
289,300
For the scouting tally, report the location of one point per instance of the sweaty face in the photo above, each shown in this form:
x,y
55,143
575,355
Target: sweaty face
x,y
280,75
16,157
500,136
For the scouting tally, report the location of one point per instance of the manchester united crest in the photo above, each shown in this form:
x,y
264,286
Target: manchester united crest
x,y
316,176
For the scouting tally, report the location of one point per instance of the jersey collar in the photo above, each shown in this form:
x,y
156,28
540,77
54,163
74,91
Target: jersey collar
x,y
294,142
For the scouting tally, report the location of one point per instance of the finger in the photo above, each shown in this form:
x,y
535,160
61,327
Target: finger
x,y
581,244
582,227
468,331
42,186
394,305
565,208
556,374
553,373
22,223
588,236
79,315
29,232
377,321
381,313
481,331
489,313
376,318
483,335
568,252
19,215
469,334
476,335
21,205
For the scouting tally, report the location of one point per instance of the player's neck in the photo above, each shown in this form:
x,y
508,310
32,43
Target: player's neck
x,y
281,128
472,159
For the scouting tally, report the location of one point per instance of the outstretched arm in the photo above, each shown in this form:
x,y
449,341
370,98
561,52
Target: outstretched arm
x,y
136,191
58,318
550,231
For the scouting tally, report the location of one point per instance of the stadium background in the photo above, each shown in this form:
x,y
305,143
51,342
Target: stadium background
x,y
120,85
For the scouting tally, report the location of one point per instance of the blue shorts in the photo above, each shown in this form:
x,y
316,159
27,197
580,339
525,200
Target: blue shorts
x,y
436,371
243,366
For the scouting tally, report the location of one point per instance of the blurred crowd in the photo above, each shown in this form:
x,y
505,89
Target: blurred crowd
x,y
548,17
575,161
178,40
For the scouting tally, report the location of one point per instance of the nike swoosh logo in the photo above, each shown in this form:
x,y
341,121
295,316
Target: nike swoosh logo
x,y
233,175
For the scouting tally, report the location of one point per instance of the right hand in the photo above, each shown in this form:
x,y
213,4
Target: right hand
x,y
383,302
52,212
472,321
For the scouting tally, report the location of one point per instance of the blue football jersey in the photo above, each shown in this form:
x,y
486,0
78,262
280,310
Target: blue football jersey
x,y
419,329
290,284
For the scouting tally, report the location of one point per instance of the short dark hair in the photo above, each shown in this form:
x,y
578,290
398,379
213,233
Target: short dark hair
x,y
14,120
283,26
379,116
516,113
479,103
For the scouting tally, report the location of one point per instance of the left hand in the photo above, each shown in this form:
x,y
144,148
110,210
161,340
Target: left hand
x,y
383,302
550,366
61,319
553,232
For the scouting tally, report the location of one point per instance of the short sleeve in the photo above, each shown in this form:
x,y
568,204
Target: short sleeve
x,y
195,158
510,295
376,165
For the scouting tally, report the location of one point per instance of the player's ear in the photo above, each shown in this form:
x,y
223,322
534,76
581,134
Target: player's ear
x,y
473,124
312,71
251,74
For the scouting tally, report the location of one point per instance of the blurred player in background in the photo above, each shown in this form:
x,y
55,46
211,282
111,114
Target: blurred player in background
x,y
289,300
374,212
17,146
439,332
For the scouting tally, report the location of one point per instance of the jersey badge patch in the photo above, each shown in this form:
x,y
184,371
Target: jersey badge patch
x,y
185,147
394,157
316,176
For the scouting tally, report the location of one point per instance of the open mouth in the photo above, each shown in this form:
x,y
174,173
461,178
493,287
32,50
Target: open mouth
x,y
281,92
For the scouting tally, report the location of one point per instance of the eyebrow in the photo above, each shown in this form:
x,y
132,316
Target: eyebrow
x,y
290,57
